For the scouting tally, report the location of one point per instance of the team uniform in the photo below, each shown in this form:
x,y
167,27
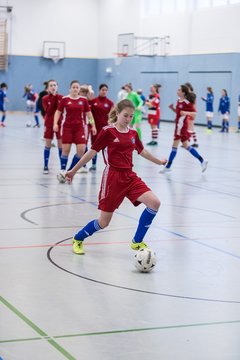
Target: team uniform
x,y
31,98
3,97
72,127
182,128
118,181
209,109
50,104
154,109
224,110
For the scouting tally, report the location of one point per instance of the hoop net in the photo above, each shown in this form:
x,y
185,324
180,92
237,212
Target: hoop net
x,y
55,59
119,58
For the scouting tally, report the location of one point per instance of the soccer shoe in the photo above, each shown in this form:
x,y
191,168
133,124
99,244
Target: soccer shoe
x,y
93,168
165,170
83,170
238,131
152,143
195,145
209,131
78,247
61,176
204,165
45,170
138,246
2,124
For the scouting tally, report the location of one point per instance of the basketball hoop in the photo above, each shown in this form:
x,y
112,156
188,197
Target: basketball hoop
x,y
55,59
119,58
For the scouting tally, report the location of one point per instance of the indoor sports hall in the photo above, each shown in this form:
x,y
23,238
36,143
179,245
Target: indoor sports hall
x,y
56,304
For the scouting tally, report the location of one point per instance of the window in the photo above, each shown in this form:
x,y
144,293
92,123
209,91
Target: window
x,y
219,2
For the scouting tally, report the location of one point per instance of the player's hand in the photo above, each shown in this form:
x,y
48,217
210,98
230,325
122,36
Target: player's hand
x,y
163,161
183,113
55,128
69,176
171,106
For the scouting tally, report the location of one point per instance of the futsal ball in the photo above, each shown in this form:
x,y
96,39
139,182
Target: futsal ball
x,y
61,177
145,260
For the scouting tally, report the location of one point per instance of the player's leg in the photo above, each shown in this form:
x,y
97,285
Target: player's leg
x,y
46,155
80,150
152,205
88,230
173,153
192,151
3,118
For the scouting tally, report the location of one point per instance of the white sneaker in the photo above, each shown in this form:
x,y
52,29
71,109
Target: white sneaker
x,y
61,176
165,170
83,170
204,165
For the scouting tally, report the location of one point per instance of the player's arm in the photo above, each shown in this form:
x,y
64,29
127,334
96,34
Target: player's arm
x,y
91,122
147,155
56,120
171,106
188,113
84,160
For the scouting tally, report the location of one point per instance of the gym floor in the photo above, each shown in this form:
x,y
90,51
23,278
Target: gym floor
x,y
56,305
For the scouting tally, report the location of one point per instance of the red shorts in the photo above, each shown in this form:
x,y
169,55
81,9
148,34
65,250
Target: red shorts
x,y
153,120
49,133
182,134
116,185
73,135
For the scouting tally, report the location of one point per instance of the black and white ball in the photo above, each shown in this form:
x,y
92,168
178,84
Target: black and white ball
x,y
145,260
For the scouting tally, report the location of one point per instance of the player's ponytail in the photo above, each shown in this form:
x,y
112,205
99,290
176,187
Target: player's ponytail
x,y
157,87
119,107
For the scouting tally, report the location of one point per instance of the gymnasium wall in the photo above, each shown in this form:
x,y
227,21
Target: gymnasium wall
x,y
90,28
218,71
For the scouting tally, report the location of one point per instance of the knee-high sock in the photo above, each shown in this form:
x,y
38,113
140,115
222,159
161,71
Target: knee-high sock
x,y
172,155
75,160
3,118
155,134
88,230
64,160
94,160
36,119
46,155
144,223
195,153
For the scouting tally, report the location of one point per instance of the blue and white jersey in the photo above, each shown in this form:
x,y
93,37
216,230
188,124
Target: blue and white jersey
x,y
238,100
3,95
209,102
224,105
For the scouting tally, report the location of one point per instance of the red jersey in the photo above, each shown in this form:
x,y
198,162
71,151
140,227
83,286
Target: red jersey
x,y
181,130
50,104
100,107
73,110
118,147
154,109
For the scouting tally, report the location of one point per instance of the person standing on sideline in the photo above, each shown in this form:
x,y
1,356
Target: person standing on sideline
x,y
238,111
184,109
3,100
73,107
143,98
31,102
137,102
100,108
209,108
224,110
50,104
118,141
153,103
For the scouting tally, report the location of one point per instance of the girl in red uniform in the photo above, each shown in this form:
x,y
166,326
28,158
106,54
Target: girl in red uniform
x,y
153,103
100,107
118,141
73,108
185,112
50,104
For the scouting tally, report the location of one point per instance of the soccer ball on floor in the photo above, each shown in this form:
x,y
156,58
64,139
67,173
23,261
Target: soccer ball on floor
x,y
145,260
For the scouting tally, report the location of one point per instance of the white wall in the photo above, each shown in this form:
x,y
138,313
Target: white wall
x,y
72,21
90,27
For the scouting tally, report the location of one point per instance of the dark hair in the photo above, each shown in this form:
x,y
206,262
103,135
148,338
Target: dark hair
x,y
157,87
102,86
120,106
3,85
191,97
210,89
46,83
129,85
73,82
185,90
226,94
189,85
